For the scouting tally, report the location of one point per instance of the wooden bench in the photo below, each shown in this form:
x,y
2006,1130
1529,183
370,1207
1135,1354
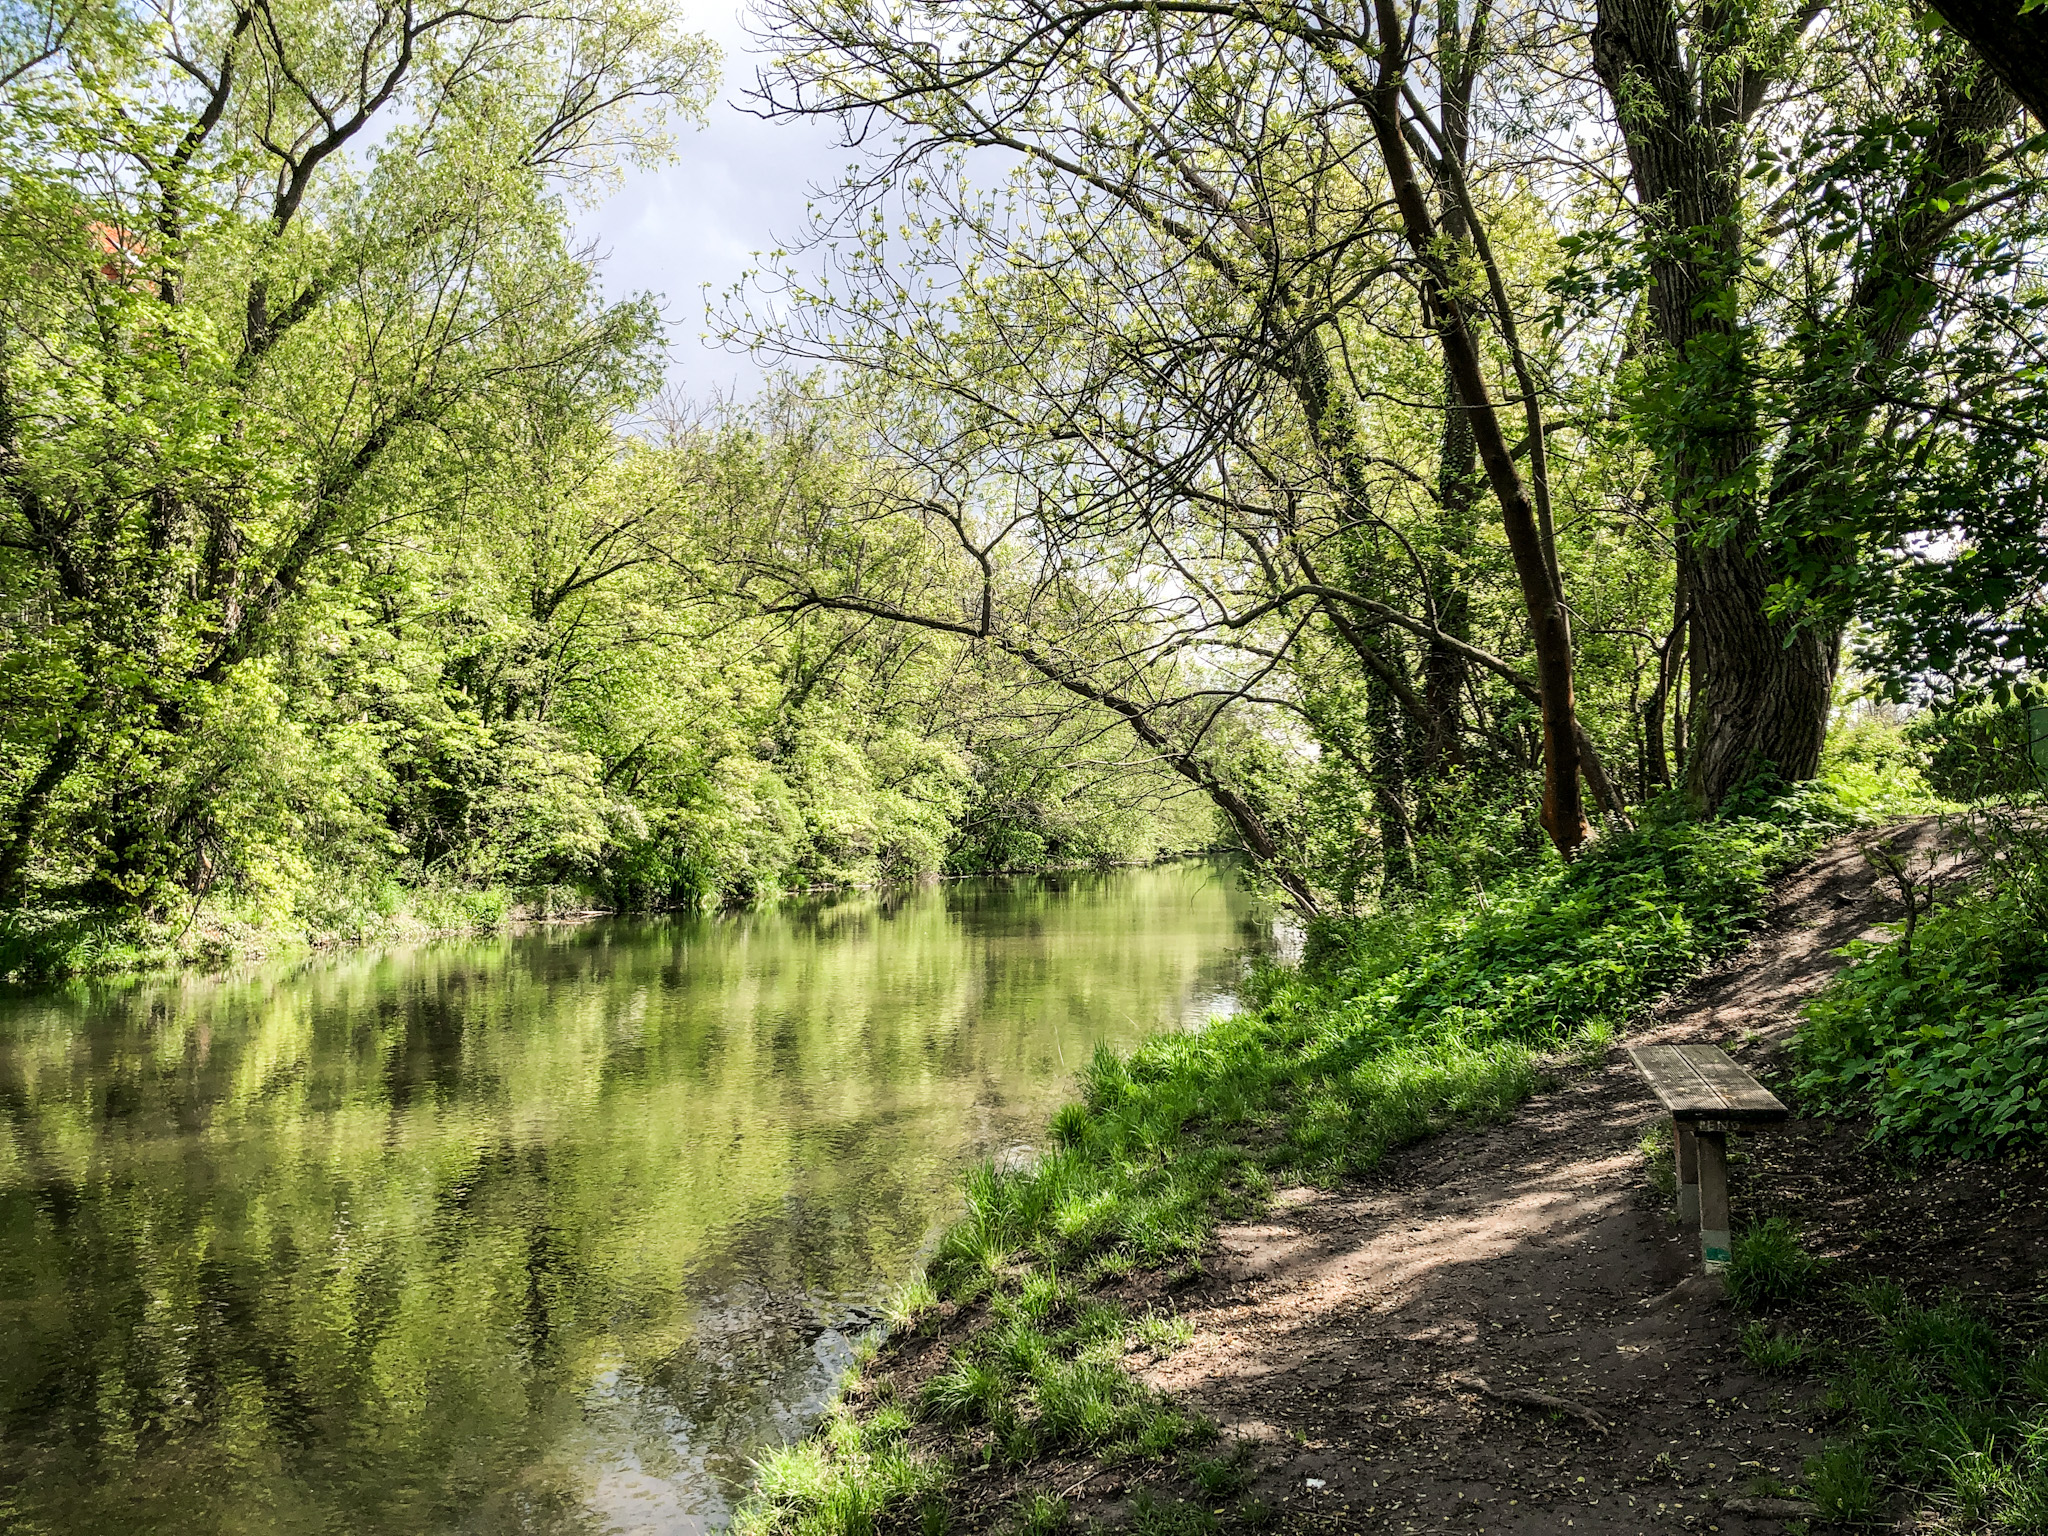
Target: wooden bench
x,y
1708,1095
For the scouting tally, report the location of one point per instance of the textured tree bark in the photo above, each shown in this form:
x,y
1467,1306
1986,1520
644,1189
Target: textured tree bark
x,y
2013,44
1762,686
1762,689
1766,685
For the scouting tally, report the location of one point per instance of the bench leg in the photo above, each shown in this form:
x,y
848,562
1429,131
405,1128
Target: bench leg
x,y
1712,1152
1688,1175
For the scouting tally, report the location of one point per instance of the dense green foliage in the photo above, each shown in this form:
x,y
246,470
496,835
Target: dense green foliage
x,y
1263,458
1944,1038
1303,442
1982,748
351,588
1770,1266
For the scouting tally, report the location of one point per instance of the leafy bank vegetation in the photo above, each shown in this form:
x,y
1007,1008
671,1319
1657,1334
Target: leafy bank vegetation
x,y
1943,1036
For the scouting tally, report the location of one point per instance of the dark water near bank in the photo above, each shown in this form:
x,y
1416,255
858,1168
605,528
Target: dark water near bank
x,y
548,1233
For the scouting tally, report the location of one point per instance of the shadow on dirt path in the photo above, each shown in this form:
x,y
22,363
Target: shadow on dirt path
x,y
1364,1336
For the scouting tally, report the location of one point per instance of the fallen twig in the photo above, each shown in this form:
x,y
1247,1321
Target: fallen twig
x,y
1529,1397
1083,1483
1771,1509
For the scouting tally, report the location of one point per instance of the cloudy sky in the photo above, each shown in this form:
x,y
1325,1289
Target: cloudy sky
x,y
738,187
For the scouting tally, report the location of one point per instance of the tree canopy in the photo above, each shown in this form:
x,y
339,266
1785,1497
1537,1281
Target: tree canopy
x,y
1374,439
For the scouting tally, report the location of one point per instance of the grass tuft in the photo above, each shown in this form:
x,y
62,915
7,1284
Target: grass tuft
x,y
912,1302
1774,1353
1040,1515
840,1482
967,1392
1256,1514
1839,1483
1154,1516
1882,1299
2033,1375
1770,1266
1162,1335
1222,1477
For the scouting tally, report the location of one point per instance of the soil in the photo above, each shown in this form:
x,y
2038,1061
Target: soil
x,y
1385,1349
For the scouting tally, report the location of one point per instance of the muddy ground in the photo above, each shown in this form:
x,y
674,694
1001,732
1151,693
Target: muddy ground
x,y
1368,1343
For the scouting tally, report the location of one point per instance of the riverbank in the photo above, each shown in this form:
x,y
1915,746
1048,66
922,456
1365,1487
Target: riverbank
x,y
1018,1361
1504,1332
51,944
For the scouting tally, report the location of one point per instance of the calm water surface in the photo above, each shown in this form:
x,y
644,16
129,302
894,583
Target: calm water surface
x,y
540,1234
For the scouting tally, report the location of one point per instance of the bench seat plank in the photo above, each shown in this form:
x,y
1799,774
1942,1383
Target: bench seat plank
x,y
1701,1082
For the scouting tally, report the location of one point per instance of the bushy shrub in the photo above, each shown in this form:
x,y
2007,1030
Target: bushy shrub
x,y
1946,1047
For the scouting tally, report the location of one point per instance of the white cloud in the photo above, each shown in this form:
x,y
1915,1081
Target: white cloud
x,y
738,186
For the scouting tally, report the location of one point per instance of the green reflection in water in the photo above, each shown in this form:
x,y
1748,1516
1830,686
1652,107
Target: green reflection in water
x,y
541,1234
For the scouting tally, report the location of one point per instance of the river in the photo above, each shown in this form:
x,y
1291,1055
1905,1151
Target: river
x,y
549,1232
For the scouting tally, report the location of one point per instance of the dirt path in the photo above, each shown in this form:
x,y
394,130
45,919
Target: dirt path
x,y
1364,1336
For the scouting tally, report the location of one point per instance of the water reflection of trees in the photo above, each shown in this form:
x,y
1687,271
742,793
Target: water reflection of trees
x,y
435,1239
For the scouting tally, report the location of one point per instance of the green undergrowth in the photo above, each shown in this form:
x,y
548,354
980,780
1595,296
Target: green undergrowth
x,y
1395,1027
1943,1040
49,944
1935,1408
1926,1407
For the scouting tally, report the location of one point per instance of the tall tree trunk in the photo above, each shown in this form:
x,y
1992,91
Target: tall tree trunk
x,y
1657,709
1762,690
1564,814
27,818
1762,685
1766,685
1445,671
